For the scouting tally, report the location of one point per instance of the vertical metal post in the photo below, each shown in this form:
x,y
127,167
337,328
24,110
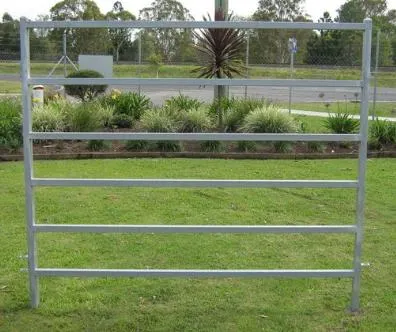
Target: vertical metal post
x,y
360,202
140,57
291,76
377,53
247,61
64,54
28,164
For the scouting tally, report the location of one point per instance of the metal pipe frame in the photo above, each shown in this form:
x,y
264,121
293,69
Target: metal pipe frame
x,y
298,83
233,229
195,25
30,182
193,273
361,191
190,183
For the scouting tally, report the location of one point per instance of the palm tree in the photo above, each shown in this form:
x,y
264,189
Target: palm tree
x,y
221,53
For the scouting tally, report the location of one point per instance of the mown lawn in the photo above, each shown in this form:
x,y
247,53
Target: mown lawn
x,y
385,79
381,109
199,304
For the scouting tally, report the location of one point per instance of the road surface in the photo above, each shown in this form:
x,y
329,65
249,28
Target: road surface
x,y
277,94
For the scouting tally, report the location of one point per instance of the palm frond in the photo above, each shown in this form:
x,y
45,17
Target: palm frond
x,y
220,51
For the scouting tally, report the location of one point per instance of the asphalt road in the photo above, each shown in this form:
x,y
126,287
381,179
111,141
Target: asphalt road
x,y
159,93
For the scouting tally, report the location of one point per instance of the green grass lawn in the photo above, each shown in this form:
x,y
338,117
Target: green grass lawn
x,y
381,109
385,79
10,87
74,304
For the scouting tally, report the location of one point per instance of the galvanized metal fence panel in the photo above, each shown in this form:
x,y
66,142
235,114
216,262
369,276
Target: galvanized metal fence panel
x,y
31,182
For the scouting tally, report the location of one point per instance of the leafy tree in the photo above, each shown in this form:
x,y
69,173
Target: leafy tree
x,y
166,41
276,41
119,37
80,40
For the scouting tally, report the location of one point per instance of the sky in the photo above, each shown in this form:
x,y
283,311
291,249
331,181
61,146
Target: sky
x,y
32,8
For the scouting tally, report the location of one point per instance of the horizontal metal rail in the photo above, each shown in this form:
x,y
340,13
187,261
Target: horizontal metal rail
x,y
196,25
193,273
187,183
296,83
197,137
69,228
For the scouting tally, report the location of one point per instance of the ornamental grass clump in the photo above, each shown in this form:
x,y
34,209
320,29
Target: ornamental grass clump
x,y
270,119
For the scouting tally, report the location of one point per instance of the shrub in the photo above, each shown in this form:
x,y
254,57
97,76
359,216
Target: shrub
x,y
212,146
122,121
341,123
97,145
316,147
158,120
105,114
246,146
47,118
137,145
183,103
234,116
130,103
282,147
85,92
269,120
382,133
169,146
83,117
10,124
195,121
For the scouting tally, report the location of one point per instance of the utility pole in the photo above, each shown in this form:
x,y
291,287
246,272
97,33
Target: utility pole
x,y
221,6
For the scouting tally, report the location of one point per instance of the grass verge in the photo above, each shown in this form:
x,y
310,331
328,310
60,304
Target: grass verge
x,y
199,304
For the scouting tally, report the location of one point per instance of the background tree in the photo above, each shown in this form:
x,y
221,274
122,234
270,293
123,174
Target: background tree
x,y
80,41
120,38
167,41
271,46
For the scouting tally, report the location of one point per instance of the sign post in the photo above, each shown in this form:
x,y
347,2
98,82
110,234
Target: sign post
x,y
292,50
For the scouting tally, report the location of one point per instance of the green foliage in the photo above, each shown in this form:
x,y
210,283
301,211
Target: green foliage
x,y
169,146
49,117
246,146
382,133
85,92
341,123
182,103
155,61
83,117
137,145
79,41
282,147
97,145
105,114
316,147
130,103
269,120
212,146
10,123
237,111
122,121
195,121
220,50
158,120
